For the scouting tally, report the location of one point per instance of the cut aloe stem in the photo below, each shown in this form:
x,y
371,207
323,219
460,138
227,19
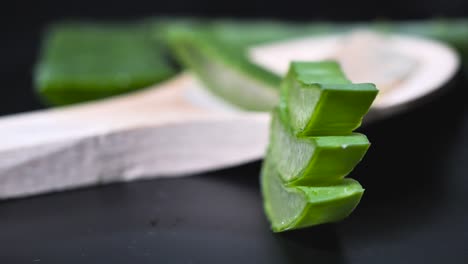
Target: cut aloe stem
x,y
314,160
312,147
318,99
296,207
225,71
87,61
217,52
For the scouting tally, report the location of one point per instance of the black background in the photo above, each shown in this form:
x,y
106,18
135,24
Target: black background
x,y
415,174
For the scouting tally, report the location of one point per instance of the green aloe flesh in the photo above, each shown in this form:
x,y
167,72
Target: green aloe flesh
x,y
303,174
217,53
319,100
302,206
224,73
87,61
314,160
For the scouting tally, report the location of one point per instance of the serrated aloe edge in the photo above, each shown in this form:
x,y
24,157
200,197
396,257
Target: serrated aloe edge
x,y
313,147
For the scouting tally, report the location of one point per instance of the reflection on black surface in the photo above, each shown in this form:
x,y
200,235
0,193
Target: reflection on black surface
x,y
319,244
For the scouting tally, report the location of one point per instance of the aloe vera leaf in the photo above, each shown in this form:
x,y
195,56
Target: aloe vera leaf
x,y
88,61
217,52
313,160
232,38
290,208
318,100
225,71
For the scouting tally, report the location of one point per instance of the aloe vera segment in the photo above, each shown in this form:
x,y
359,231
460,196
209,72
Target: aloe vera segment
x,y
314,160
88,61
303,174
318,99
297,207
225,70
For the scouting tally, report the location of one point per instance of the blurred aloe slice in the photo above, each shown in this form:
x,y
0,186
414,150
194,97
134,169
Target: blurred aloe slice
x,y
224,70
313,160
296,207
232,40
87,61
217,53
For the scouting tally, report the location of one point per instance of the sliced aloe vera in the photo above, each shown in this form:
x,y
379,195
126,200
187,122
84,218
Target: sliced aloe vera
x,y
87,61
319,100
314,160
296,207
225,71
312,147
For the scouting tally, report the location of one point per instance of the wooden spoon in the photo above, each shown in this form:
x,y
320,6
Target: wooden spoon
x,y
159,131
